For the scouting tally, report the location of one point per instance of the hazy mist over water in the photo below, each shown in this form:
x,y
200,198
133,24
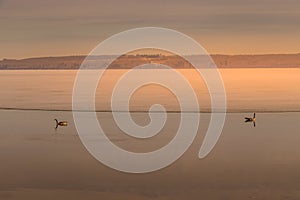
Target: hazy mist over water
x,y
49,151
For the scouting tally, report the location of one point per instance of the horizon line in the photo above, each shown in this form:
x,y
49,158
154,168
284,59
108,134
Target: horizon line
x,y
82,55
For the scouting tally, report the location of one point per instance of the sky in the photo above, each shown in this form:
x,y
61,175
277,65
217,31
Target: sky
x,y
36,28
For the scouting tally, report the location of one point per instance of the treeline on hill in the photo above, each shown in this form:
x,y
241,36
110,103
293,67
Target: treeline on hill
x,y
130,61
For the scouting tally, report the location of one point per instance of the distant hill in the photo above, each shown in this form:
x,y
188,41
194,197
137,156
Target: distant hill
x,y
129,61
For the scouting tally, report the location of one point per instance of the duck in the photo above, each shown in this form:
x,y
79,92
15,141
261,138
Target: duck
x,y
61,123
250,119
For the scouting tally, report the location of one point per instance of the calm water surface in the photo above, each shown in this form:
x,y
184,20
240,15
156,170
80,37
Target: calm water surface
x,y
248,162
247,89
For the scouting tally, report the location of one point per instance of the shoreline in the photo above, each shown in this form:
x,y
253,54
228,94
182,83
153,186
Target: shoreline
x,y
76,69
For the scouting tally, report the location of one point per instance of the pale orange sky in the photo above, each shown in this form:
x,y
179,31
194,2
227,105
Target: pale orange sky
x,y
36,28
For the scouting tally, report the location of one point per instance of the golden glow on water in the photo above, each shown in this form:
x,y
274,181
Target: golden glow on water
x,y
247,89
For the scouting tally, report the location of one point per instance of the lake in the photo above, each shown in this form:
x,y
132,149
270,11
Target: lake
x,y
262,162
